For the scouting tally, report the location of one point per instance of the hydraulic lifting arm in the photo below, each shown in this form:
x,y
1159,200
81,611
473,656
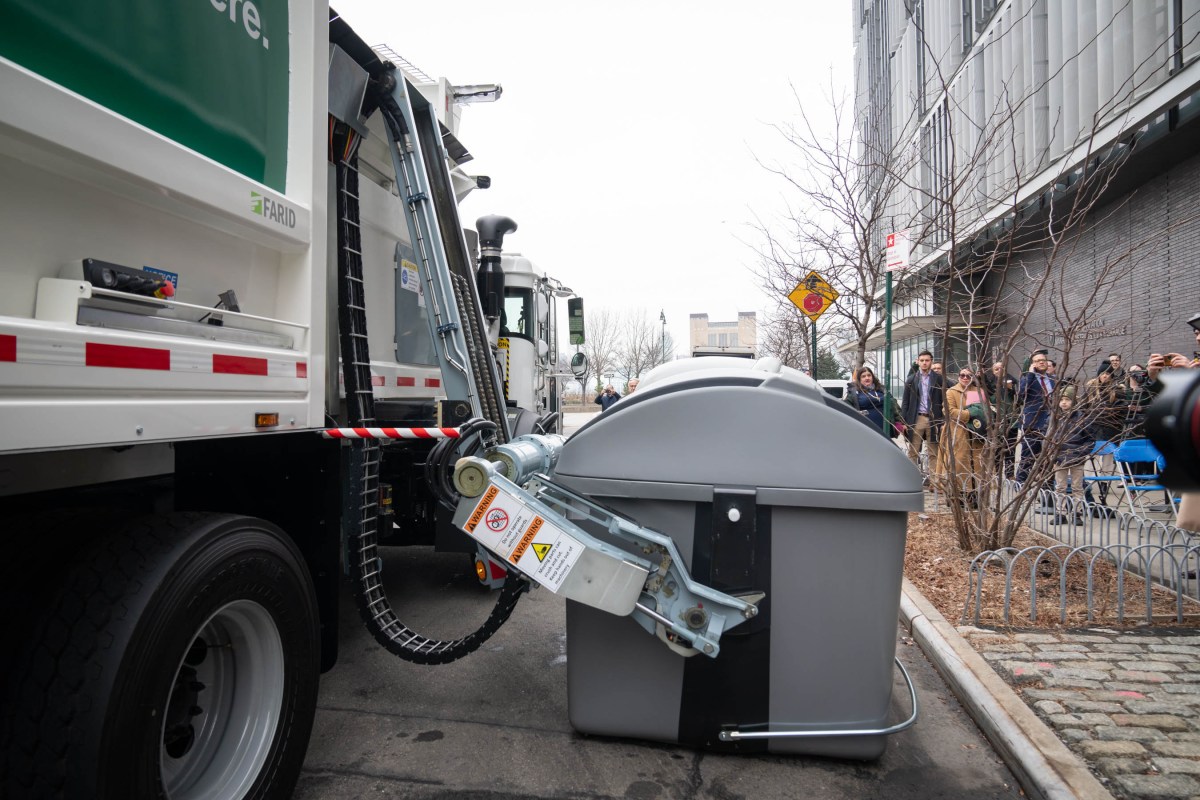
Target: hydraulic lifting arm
x,y
455,320
520,515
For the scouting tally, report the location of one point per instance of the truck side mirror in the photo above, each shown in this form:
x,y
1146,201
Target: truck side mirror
x,y
579,365
575,319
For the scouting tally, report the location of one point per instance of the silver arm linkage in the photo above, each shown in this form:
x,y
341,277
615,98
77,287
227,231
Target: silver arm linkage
x,y
527,524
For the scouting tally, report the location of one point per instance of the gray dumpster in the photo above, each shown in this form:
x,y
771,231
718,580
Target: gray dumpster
x,y
766,484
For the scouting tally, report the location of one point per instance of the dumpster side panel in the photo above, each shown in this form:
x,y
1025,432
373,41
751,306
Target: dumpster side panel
x,y
621,681
835,573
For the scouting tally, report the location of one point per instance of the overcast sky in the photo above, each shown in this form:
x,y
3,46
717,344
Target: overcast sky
x,y
625,141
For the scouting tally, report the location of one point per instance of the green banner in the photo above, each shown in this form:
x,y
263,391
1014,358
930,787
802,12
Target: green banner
x,y
209,74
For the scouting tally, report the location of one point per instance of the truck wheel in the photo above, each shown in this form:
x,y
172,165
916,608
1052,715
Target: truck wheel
x,y
180,659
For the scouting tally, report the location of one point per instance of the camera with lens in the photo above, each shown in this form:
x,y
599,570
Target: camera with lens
x,y
1173,425
1138,376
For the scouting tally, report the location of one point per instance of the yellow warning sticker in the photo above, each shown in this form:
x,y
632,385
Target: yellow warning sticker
x,y
506,526
527,539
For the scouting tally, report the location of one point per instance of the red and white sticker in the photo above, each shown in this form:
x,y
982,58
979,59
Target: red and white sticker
x,y
75,353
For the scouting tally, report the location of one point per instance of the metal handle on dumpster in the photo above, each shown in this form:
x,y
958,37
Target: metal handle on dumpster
x,y
734,735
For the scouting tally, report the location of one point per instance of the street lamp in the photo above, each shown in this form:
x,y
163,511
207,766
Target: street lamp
x,y
662,317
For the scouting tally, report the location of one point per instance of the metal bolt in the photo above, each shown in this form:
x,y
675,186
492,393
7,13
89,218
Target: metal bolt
x,y
138,430
708,648
734,515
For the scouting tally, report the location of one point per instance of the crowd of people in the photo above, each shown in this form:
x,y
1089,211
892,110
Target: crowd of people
x,y
981,422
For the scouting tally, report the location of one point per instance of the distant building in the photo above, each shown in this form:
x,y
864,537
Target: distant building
x,y
737,337
999,110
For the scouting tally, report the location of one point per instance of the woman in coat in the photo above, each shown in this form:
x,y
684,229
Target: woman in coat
x,y
865,396
1104,404
959,442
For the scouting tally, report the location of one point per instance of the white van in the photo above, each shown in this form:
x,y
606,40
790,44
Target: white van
x,y
834,386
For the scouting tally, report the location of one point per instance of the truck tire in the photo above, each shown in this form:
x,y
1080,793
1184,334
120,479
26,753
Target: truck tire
x,y
179,658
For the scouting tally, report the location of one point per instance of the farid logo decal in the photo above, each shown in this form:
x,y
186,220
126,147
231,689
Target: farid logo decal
x,y
276,212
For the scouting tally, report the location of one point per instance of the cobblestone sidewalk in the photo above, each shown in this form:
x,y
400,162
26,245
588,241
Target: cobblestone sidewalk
x,y
1127,702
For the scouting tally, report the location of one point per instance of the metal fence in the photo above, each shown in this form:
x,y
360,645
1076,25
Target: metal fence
x,y
1155,550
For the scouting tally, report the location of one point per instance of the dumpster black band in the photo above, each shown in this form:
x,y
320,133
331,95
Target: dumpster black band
x,y
734,688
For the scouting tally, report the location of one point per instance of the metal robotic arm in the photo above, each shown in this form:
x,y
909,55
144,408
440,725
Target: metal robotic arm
x,y
511,507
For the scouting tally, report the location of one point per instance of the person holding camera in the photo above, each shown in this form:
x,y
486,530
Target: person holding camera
x,y
607,398
1138,397
1168,437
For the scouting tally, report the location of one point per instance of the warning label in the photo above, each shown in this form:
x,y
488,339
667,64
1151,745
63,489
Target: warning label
x,y
507,527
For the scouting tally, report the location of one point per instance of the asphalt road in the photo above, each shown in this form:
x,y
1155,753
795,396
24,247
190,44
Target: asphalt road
x,y
493,726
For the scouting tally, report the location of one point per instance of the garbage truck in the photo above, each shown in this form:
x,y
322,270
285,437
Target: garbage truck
x,y
244,340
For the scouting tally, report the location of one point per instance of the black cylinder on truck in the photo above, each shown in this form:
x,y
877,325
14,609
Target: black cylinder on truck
x,y
490,279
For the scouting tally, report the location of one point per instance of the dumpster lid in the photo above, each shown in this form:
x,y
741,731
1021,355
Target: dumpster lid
x,y
698,423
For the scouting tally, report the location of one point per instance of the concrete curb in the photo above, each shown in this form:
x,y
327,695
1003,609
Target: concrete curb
x,y
1044,766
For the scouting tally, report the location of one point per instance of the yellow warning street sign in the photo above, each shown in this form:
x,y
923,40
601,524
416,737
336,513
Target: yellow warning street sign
x,y
813,295
540,550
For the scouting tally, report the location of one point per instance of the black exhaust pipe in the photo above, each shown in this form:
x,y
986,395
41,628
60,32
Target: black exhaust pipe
x,y
490,278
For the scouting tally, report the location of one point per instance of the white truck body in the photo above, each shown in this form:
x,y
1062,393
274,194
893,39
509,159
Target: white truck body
x,y
194,140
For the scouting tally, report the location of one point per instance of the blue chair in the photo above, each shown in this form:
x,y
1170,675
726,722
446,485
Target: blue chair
x,y
1103,477
1137,463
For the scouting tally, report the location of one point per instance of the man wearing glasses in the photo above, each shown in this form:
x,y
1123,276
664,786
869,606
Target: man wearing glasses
x,y
1036,394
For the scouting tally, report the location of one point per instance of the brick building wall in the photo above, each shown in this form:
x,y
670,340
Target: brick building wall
x,y
1134,273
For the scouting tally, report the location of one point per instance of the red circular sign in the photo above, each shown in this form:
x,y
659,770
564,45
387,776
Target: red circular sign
x,y
497,519
813,303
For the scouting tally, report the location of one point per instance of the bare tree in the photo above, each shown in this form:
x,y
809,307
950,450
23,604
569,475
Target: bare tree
x,y
787,335
604,335
844,186
999,211
998,252
641,344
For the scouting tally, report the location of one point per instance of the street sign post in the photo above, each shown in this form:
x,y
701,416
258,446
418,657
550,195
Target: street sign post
x,y
813,296
897,251
895,259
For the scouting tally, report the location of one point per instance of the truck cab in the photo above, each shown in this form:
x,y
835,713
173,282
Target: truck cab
x,y
527,337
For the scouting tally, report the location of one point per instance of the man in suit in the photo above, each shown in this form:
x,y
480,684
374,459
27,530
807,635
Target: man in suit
x,y
1036,395
923,409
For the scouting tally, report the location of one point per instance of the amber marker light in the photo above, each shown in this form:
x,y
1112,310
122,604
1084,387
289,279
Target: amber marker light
x,y
266,420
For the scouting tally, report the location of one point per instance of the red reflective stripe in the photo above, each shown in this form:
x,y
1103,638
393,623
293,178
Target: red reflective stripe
x,y
301,369
8,348
450,432
377,380
125,357
238,365
421,433
364,432
391,433
402,381
433,383
335,433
